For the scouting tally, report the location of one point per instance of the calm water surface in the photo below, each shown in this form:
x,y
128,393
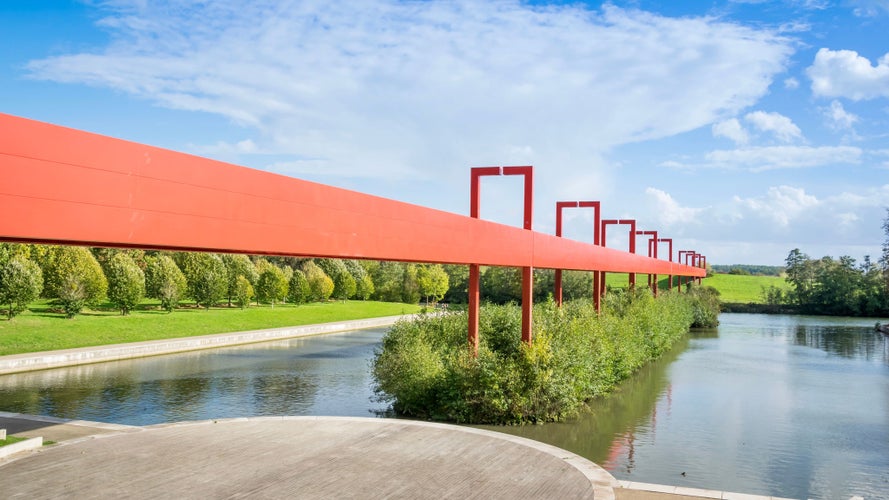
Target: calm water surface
x,y
777,405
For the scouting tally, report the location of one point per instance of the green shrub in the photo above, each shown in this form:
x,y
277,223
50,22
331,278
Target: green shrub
x,y
424,367
126,282
243,292
20,283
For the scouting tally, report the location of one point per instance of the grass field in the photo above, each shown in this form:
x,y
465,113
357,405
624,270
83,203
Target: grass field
x,y
42,329
733,288
743,289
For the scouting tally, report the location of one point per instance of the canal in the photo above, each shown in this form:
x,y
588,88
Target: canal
x,y
775,405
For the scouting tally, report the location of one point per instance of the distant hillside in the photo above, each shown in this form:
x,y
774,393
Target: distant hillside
x,y
748,269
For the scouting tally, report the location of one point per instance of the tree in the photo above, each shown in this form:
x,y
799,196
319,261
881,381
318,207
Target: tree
x,y
502,285
432,281
344,285
799,275
884,259
320,284
364,285
75,278
164,281
206,276
410,289
238,265
21,282
272,283
458,281
126,282
299,291
388,278
243,292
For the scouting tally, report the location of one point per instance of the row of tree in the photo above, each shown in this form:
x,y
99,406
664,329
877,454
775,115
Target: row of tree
x,y
837,286
77,277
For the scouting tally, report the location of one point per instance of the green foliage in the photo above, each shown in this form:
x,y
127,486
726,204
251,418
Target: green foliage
x,y
748,269
432,281
243,292
501,285
705,306
272,283
388,278
126,282
205,275
320,284
298,291
21,282
74,277
424,367
364,285
237,265
164,281
836,287
72,294
458,281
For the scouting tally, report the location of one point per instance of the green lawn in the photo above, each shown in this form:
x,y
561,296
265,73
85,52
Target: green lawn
x,y
11,440
743,289
732,288
42,329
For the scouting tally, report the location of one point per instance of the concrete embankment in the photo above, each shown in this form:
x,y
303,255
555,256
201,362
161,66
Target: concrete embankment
x,y
97,354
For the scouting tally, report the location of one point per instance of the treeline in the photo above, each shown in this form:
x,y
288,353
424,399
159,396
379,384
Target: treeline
x,y
748,269
78,277
834,286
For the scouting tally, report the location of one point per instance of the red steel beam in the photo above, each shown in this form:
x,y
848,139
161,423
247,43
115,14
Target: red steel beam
x,y
67,186
652,252
632,244
560,205
669,242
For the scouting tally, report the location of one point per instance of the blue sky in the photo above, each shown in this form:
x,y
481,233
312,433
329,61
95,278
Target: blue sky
x,y
742,129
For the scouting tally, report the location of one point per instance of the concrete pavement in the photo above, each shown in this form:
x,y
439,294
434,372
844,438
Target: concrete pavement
x,y
305,457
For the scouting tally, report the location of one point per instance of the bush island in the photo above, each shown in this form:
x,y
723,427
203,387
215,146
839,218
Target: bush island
x,y
425,370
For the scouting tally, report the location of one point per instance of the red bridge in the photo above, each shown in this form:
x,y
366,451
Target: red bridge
x,y
65,186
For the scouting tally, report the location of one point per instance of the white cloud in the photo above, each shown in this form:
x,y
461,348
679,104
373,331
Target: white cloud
x,y
779,125
838,117
668,212
781,204
382,87
870,8
774,157
791,83
731,129
844,73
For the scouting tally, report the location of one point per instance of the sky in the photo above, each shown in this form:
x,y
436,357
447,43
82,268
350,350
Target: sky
x,y
742,129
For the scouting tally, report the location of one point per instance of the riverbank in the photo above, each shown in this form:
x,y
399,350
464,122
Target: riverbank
x,y
97,354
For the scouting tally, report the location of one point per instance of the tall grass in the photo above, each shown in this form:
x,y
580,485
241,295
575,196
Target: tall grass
x,y
425,370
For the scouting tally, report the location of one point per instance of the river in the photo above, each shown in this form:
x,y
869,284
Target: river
x,y
789,406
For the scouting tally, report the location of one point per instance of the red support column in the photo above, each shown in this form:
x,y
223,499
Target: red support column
x,y
474,202
652,252
632,245
527,272
669,241
560,205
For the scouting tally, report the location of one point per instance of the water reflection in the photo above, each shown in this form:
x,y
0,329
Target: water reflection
x,y
789,406
326,375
